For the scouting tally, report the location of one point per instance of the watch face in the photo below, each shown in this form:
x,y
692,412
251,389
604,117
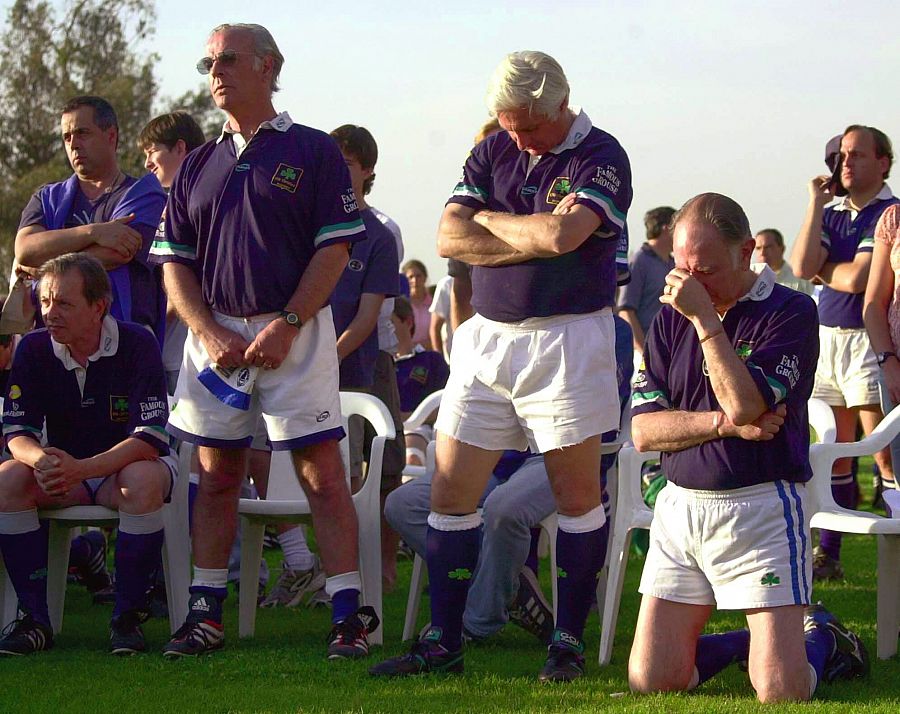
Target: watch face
x,y
292,318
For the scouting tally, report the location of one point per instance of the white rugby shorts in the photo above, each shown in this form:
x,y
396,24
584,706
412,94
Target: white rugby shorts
x,y
543,383
847,372
299,401
740,549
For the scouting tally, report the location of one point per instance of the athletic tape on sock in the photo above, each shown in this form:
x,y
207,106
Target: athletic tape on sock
x,y
141,524
591,521
443,522
344,581
18,522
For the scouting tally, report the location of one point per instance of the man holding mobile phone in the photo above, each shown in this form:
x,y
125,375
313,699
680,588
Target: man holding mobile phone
x,y
835,246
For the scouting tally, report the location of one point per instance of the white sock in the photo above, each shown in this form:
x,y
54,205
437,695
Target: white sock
x,y
297,555
210,578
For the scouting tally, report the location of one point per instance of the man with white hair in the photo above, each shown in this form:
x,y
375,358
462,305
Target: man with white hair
x,y
257,232
538,213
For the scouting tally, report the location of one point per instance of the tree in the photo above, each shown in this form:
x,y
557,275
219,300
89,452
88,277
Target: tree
x,y
200,105
48,56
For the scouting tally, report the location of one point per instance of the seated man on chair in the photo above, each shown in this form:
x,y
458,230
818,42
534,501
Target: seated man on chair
x,y
99,385
722,392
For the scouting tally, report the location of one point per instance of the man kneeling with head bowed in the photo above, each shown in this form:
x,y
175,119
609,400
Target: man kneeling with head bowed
x,y
728,369
99,385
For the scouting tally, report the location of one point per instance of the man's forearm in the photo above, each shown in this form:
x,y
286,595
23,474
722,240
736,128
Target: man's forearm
x,y
25,450
184,293
465,240
730,378
637,332
808,255
40,246
540,235
319,280
118,457
849,277
673,430
107,256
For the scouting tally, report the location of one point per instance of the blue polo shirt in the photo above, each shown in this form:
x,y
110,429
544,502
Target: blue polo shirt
x,y
499,177
147,298
250,223
121,393
774,331
374,267
845,233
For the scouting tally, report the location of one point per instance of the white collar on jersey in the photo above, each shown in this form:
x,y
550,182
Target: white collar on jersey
x,y
843,203
577,132
109,345
280,122
764,284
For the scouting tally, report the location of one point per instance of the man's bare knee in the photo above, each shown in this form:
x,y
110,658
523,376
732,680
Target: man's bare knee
x,y
142,486
17,486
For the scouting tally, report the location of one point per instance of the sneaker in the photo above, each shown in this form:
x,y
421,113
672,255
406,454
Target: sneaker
x,y
319,598
293,585
25,636
825,567
347,639
201,632
94,575
468,637
426,655
125,634
565,658
849,658
530,609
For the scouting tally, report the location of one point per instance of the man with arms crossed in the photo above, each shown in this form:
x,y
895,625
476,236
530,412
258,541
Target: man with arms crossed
x,y
835,245
538,212
257,229
728,370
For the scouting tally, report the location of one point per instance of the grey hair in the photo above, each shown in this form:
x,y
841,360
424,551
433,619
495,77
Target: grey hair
x,y
531,80
263,46
96,285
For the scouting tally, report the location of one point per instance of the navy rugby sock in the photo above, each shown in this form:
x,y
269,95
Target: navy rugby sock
x,y
452,545
138,550
580,554
23,544
716,652
820,645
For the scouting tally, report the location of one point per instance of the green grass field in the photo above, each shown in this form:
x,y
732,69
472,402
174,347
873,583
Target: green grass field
x,y
283,668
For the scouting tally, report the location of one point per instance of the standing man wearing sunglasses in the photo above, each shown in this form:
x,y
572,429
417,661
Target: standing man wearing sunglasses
x,y
258,226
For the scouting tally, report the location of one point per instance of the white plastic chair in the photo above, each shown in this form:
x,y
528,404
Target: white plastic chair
x,y
828,515
175,553
286,502
631,512
419,416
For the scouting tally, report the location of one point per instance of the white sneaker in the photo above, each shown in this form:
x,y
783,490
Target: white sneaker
x,y
293,585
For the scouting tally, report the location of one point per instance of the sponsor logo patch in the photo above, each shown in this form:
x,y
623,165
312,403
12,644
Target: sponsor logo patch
x,y
287,177
323,416
15,391
118,408
770,580
562,186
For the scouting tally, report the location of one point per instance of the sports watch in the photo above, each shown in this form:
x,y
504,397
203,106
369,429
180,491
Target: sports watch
x,y
883,357
293,319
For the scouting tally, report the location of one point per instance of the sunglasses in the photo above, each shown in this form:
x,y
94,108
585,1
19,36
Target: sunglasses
x,y
225,57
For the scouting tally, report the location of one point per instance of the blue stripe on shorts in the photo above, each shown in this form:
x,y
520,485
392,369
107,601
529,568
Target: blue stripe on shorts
x,y
792,542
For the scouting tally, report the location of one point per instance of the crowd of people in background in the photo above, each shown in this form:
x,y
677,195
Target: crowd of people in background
x,y
247,278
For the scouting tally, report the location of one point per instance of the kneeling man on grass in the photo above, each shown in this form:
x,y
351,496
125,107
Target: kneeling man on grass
x,y
728,370
99,386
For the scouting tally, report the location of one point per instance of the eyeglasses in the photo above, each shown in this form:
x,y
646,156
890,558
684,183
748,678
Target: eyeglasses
x,y
225,57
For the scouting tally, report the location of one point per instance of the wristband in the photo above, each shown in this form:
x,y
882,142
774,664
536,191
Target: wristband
x,y
711,335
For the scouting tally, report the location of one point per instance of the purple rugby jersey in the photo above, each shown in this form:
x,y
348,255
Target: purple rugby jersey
x,y
498,177
844,238
418,375
373,268
124,392
250,224
775,333
146,290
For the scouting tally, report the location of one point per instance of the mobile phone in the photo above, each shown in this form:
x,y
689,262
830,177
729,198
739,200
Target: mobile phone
x,y
837,188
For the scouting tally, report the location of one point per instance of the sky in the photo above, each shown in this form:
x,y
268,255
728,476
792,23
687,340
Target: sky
x,y
733,97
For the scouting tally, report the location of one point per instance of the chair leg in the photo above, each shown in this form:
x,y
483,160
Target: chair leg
x,y
177,567
9,601
370,568
888,597
416,582
618,560
252,534
57,571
